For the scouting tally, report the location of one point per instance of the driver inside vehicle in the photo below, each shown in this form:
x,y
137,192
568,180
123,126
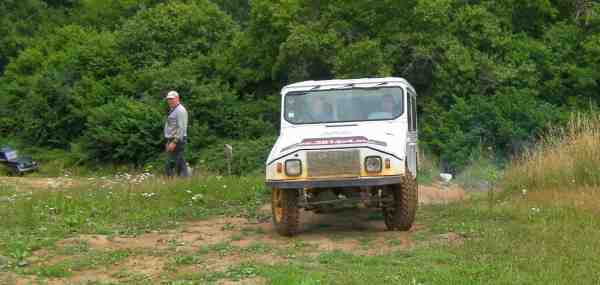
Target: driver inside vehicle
x,y
319,111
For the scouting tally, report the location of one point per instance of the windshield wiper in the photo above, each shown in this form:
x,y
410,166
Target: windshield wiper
x,y
376,86
296,93
340,126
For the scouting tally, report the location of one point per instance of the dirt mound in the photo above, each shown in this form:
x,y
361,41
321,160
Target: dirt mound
x,y
440,194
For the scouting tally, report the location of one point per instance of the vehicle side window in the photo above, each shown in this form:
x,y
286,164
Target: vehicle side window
x,y
412,112
409,112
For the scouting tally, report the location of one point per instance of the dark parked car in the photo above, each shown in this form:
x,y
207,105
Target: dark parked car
x,y
15,164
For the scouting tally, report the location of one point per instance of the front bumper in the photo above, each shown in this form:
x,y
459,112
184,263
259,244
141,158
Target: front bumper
x,y
332,183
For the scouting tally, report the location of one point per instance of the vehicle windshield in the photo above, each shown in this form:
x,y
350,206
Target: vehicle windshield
x,y
348,105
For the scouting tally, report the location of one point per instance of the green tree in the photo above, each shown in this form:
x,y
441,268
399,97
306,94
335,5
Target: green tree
x,y
123,131
166,32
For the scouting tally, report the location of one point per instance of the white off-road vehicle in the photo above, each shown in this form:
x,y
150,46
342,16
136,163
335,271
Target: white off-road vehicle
x,y
345,143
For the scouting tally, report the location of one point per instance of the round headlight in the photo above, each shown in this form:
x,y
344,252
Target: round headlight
x,y
373,164
293,167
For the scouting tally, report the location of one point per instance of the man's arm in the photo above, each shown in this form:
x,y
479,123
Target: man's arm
x,y
182,121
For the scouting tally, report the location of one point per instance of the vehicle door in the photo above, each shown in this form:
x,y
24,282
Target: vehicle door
x,y
413,135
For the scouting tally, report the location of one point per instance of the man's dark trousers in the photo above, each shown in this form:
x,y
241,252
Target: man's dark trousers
x,y
176,161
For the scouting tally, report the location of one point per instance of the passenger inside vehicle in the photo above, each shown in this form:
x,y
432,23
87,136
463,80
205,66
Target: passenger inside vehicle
x,y
386,110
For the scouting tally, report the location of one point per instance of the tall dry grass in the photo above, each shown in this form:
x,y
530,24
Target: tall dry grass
x,y
567,159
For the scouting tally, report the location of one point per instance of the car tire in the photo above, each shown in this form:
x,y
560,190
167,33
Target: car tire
x,y
286,213
401,214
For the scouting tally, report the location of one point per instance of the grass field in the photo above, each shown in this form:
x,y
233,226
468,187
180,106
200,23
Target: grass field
x,y
543,228
518,239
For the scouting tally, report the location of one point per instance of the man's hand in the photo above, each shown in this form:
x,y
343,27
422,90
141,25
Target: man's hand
x,y
170,147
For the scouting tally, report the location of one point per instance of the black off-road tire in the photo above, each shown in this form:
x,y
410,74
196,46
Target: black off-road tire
x,y
401,215
286,212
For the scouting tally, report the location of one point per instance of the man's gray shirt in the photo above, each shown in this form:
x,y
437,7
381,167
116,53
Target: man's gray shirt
x,y
176,124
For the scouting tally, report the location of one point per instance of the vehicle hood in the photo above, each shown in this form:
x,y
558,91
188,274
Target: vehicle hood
x,y
382,136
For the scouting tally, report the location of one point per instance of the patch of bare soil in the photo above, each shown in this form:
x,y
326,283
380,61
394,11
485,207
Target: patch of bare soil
x,y
451,239
249,281
85,277
39,183
7,278
192,236
149,266
212,231
440,194
217,263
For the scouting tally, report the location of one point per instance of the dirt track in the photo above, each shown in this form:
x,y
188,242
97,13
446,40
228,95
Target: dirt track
x,y
234,241
230,241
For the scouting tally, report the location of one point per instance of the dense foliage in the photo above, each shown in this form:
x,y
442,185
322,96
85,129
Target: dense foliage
x,y
489,73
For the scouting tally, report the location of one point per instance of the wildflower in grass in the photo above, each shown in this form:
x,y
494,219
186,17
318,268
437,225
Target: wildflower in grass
x,y
224,186
197,197
524,192
148,195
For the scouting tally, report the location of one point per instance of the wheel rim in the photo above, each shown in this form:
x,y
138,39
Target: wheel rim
x,y
276,205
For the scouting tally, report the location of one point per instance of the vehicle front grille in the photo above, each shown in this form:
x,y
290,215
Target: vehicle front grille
x,y
333,163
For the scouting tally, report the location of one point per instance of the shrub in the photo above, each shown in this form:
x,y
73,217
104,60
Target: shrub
x,y
506,121
125,131
51,85
229,116
171,30
249,156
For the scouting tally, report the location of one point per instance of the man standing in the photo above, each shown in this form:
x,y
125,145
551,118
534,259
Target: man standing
x,y
176,135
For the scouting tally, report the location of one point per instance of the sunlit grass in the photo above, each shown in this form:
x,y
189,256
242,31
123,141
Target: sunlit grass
x,y
30,220
568,159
